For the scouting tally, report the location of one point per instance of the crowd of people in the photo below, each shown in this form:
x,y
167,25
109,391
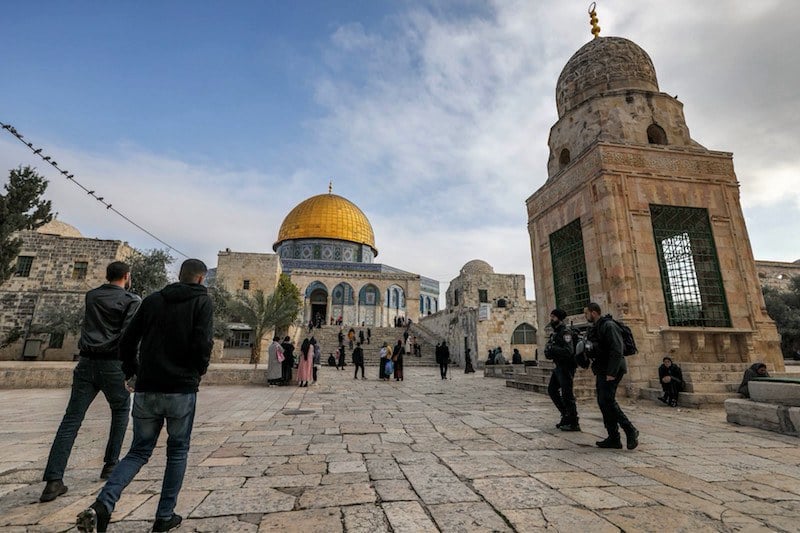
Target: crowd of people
x,y
160,347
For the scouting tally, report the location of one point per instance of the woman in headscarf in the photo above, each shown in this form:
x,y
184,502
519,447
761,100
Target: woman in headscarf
x,y
397,358
756,370
305,363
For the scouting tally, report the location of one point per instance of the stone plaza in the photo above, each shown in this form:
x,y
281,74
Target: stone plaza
x,y
466,454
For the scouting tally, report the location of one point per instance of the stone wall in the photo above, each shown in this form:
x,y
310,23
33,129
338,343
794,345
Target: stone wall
x,y
777,274
51,286
261,271
610,188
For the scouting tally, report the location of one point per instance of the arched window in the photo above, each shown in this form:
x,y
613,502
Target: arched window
x,y
368,295
428,304
563,158
314,286
656,134
435,305
343,294
524,334
502,302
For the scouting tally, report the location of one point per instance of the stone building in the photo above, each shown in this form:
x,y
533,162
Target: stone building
x,y
484,311
327,246
777,274
55,268
641,218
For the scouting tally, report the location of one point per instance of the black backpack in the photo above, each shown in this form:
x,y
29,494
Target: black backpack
x,y
628,342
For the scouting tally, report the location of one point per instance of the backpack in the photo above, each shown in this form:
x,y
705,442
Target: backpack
x,y
628,342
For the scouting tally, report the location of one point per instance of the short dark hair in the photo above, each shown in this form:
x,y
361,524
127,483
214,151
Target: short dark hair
x,y
593,307
667,359
116,271
191,269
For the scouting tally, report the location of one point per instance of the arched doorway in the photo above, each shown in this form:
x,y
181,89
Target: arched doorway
x,y
317,296
342,302
368,305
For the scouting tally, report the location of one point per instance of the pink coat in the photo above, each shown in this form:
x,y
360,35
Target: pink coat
x,y
305,365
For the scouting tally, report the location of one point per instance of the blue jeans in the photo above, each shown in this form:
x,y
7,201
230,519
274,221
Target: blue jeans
x,y
150,410
90,377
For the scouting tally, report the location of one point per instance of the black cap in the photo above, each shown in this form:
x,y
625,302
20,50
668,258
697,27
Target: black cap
x,y
559,314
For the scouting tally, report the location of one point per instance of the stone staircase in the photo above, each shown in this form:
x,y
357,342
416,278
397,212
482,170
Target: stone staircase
x,y
536,378
328,338
705,383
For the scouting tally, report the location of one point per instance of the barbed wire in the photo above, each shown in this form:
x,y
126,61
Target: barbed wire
x,y
70,177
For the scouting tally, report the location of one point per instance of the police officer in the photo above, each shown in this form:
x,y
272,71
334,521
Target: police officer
x,y
560,350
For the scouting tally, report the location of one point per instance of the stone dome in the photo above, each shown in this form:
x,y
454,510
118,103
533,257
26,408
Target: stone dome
x,y
476,266
62,229
327,216
604,64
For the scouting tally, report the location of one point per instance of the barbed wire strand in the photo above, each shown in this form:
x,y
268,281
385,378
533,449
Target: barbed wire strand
x,y
47,159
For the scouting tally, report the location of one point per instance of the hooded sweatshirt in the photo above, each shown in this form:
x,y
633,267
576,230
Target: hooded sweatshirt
x,y
173,332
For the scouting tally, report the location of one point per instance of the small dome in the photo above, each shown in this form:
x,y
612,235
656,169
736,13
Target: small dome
x,y
604,64
476,266
62,229
327,216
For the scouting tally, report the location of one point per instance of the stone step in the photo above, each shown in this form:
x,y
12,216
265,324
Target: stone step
x,y
690,399
580,393
705,386
713,367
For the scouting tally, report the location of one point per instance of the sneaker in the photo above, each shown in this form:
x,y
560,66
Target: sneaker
x,y
562,422
663,399
165,524
107,469
53,490
95,518
570,427
632,439
610,442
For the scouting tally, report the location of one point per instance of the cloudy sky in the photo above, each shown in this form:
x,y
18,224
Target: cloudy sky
x,y
206,122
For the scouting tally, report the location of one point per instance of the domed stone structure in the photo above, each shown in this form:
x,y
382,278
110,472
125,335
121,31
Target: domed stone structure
x,y
608,92
601,65
59,228
477,266
326,227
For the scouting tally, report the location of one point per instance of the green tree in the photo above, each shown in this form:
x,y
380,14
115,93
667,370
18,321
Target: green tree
x,y
21,208
265,313
149,270
62,320
784,308
223,301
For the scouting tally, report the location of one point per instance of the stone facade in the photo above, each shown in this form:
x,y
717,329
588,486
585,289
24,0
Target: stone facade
x,y
484,309
777,274
57,280
633,152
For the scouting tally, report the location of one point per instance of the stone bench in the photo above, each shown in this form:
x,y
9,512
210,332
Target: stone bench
x,y
782,391
502,371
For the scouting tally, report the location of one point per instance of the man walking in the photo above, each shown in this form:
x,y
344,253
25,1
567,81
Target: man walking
x,y
560,350
358,360
109,310
609,367
174,327
443,358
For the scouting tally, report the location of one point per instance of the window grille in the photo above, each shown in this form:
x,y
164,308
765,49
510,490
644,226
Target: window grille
x,y
246,285
239,339
483,296
690,274
24,263
79,270
524,334
569,268
56,340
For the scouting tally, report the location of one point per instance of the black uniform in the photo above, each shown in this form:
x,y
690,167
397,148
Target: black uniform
x,y
610,361
560,350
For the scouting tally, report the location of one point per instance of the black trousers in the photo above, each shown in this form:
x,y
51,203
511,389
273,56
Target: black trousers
x,y
443,370
561,392
361,366
613,417
671,390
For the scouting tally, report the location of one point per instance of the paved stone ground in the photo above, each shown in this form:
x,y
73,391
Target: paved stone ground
x,y
467,454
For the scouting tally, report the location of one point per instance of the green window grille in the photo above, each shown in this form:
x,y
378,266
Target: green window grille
x,y
690,274
569,268
524,334
24,264
483,296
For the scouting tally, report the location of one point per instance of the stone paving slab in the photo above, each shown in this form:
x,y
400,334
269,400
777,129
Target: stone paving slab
x,y
467,454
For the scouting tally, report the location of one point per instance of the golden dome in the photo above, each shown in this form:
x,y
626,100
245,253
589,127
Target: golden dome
x,y
327,216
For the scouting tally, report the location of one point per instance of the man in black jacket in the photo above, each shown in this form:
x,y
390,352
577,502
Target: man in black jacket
x,y
559,349
172,331
608,366
109,310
